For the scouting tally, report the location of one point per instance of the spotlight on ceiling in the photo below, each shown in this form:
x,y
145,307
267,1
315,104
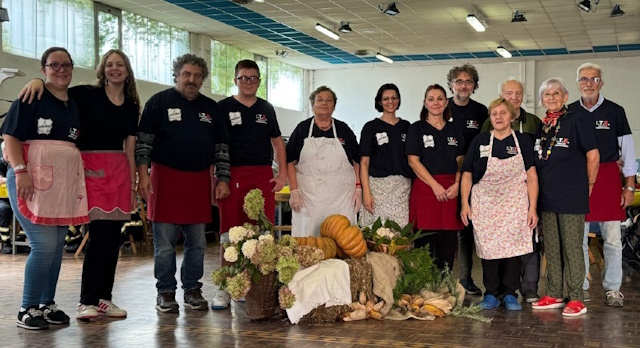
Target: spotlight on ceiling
x,y
390,10
283,53
330,33
617,11
586,5
476,23
344,27
518,17
4,15
245,2
503,52
384,58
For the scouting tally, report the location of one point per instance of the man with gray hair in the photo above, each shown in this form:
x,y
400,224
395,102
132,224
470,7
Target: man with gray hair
x,y
180,134
513,91
608,198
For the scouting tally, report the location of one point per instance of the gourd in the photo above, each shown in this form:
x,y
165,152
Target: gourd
x,y
326,244
348,238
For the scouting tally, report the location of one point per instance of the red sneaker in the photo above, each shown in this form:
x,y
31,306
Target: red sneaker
x,y
574,309
548,302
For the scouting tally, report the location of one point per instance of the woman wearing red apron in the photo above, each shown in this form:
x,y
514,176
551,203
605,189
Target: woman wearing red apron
x,y
435,149
500,166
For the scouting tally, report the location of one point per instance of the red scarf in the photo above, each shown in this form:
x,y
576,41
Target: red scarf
x,y
551,118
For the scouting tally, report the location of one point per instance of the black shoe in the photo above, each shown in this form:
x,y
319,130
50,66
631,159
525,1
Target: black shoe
x,y
166,302
470,287
32,319
53,315
6,248
531,296
194,300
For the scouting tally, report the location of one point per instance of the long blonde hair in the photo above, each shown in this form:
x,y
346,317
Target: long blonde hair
x,y
130,89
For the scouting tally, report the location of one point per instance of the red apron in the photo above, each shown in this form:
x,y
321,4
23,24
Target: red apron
x,y
243,180
179,197
108,185
604,202
427,213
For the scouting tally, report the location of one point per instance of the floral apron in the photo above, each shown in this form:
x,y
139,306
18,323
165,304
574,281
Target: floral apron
x,y
499,206
326,181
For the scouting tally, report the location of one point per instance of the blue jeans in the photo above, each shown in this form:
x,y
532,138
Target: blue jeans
x,y
612,235
42,269
165,237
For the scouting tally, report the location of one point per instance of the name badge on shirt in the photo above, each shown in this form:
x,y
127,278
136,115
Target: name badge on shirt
x,y
235,118
382,138
174,114
428,141
485,151
45,125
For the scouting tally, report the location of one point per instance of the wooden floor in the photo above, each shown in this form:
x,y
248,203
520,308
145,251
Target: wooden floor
x,y
135,291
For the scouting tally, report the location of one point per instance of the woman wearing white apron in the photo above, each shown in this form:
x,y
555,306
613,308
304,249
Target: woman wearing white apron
x,y
500,166
322,156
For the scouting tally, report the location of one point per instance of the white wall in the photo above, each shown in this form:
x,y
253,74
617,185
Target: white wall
x,y
356,88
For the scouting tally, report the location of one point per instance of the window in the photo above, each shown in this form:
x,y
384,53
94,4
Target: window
x,y
39,24
152,46
286,85
109,25
223,63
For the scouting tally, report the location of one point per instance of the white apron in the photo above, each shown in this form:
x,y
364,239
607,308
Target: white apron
x,y
326,181
499,206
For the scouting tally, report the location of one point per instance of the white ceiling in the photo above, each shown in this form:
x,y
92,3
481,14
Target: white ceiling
x,y
422,27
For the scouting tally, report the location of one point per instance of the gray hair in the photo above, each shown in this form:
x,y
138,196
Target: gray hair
x,y
189,58
509,79
553,82
588,65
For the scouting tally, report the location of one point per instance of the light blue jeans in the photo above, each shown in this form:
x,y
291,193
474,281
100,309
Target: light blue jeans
x,y
42,269
612,275
165,237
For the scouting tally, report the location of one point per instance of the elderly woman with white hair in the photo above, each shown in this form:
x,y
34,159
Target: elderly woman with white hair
x,y
567,161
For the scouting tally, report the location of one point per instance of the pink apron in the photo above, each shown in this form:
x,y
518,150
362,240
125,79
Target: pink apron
x,y
60,194
499,206
108,185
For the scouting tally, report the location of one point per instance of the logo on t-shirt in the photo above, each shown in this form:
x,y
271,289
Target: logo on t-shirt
x,y
74,133
512,150
452,141
204,117
260,118
403,136
604,124
174,114
562,142
45,125
341,141
472,124
382,138
428,141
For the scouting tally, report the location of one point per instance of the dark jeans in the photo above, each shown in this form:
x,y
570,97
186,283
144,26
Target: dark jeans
x,y
501,276
5,213
100,260
442,246
466,244
530,272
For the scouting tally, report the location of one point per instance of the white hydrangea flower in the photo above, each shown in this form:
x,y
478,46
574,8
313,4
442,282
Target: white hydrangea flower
x,y
237,233
266,236
383,232
249,248
231,254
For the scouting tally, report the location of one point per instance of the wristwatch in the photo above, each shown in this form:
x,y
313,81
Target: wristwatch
x,y
630,188
19,167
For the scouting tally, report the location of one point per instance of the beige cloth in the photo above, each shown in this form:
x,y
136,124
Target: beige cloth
x,y
386,270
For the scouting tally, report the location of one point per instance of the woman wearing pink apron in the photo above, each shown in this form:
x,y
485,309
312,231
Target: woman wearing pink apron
x,y
322,156
500,166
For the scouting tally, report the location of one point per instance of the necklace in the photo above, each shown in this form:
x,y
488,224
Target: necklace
x,y
545,132
323,128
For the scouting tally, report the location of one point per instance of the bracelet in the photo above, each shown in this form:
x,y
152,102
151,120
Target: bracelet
x,y
358,184
19,171
630,188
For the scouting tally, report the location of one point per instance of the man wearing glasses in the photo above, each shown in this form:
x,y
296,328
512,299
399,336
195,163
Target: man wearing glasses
x,y
179,135
252,124
608,199
469,116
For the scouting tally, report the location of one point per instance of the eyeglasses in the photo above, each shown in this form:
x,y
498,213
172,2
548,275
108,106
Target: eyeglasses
x,y
386,99
57,66
248,79
585,80
464,82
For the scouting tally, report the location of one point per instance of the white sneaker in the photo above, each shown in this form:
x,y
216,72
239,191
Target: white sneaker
x,y
108,308
221,300
85,312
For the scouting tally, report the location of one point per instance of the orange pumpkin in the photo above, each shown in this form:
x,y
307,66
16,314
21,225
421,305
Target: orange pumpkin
x,y
348,238
326,244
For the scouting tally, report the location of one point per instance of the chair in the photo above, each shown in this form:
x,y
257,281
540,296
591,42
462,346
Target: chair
x,y
147,233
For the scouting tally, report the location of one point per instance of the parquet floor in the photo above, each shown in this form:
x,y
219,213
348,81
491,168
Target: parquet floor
x,y
602,326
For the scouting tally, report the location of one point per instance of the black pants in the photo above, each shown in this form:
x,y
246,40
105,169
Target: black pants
x,y
466,244
442,246
530,272
501,276
100,260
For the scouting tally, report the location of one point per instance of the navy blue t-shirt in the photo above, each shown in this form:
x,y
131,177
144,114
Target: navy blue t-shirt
x,y
609,122
502,149
563,181
437,149
251,130
46,119
468,118
345,134
384,144
186,131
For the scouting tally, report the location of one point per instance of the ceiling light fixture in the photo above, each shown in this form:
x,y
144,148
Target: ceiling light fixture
x,y
4,15
283,53
390,10
586,5
475,23
518,17
344,27
617,11
245,2
384,58
330,33
503,52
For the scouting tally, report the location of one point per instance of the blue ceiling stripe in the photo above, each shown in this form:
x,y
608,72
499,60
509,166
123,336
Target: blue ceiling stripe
x,y
242,18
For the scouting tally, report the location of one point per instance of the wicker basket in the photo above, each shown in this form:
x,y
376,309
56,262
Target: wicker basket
x,y
261,301
384,248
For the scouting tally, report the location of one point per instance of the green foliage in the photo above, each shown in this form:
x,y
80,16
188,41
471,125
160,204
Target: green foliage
x,y
401,235
419,272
